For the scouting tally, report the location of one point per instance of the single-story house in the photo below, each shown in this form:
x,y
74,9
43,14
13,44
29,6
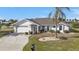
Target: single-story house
x,y
3,21
39,24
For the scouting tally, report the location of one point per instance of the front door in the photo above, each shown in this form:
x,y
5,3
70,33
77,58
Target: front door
x,y
60,28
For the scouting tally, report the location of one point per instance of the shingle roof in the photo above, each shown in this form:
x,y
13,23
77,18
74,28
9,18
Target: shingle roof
x,y
20,22
40,21
45,21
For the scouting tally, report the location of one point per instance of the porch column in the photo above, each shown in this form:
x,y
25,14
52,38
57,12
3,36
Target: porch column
x,y
37,29
45,28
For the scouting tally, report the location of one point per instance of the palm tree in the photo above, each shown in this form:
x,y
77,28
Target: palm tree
x,y
59,14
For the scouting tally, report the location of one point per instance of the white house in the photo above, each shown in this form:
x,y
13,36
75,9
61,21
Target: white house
x,y
39,24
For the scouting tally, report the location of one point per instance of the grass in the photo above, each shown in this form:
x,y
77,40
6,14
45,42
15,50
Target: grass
x,y
71,44
5,32
74,30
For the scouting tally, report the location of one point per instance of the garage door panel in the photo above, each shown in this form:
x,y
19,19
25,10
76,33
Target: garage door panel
x,y
22,29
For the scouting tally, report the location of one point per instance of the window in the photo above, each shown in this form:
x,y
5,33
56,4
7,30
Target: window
x,y
39,27
43,27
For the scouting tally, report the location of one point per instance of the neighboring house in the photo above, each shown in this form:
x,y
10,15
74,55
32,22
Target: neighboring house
x,y
4,22
77,21
39,24
1,21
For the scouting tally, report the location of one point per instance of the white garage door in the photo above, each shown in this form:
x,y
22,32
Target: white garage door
x,y
22,29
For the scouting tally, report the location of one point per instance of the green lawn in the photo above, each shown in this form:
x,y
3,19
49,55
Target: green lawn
x,y
5,32
71,44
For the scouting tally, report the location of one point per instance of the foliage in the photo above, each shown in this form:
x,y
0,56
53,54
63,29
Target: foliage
x,y
4,27
26,33
58,31
74,30
2,33
13,20
66,31
8,24
71,44
75,24
52,31
59,12
60,15
0,26
63,38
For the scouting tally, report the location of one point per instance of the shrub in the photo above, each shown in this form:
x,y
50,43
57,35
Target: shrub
x,y
38,32
35,32
26,33
51,31
75,24
63,38
66,31
31,32
58,31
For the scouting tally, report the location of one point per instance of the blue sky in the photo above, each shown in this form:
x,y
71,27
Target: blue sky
x,y
33,12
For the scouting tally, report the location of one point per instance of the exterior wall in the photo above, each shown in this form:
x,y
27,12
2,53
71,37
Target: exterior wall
x,y
53,28
64,27
25,27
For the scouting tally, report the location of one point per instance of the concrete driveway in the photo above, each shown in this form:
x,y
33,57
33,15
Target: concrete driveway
x,y
13,42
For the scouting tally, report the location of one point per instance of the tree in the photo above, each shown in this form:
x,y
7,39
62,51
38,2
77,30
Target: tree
x,y
4,20
49,15
59,14
75,20
75,24
0,26
13,21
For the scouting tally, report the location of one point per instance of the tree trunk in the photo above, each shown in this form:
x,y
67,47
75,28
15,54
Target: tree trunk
x,y
56,29
56,32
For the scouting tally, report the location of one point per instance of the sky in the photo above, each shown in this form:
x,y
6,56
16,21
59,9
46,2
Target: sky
x,y
20,13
